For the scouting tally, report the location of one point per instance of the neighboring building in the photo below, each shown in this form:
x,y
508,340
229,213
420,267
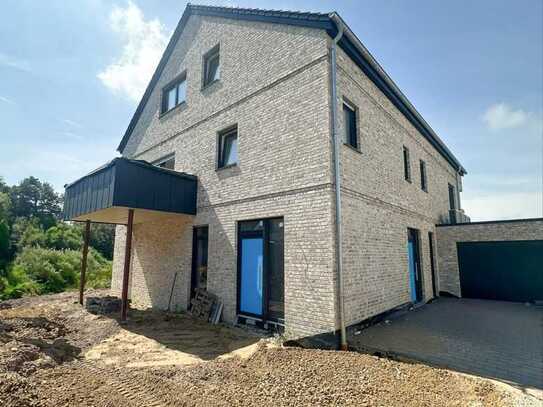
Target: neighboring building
x,y
242,99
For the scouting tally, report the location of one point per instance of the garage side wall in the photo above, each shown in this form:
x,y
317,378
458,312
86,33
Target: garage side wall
x,y
448,236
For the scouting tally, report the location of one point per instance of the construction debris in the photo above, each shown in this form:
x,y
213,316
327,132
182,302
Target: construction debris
x,y
202,304
103,305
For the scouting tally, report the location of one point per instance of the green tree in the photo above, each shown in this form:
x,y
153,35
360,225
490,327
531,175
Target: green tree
x,y
102,238
32,198
26,232
63,236
3,186
4,245
5,205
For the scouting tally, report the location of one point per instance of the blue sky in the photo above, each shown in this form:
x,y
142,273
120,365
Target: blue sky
x,y
71,73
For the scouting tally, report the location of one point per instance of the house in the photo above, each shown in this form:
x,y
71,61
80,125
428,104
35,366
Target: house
x,y
229,170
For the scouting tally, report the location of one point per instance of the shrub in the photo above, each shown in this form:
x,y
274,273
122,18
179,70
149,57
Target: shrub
x,y
52,271
63,236
16,283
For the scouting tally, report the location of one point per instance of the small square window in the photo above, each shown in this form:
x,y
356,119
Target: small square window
x,y
406,164
423,180
350,134
174,93
212,67
228,148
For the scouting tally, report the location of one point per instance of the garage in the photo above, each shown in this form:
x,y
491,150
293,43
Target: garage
x,y
501,270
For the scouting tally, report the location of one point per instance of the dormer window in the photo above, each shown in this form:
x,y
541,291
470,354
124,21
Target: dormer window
x,y
212,67
174,93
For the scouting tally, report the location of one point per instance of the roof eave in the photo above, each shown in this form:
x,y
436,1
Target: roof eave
x,y
434,139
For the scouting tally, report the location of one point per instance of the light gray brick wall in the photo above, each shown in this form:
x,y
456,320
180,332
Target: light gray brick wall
x,y
274,86
378,204
448,236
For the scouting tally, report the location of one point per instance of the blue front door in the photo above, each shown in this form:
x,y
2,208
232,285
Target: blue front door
x,y
415,275
251,276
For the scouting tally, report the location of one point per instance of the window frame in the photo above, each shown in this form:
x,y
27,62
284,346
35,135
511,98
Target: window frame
x,y
406,164
354,109
207,57
173,84
423,176
221,136
163,160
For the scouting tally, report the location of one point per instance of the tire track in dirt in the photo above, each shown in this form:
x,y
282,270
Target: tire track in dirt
x,y
125,384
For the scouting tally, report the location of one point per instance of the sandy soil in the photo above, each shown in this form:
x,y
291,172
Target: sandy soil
x,y
54,353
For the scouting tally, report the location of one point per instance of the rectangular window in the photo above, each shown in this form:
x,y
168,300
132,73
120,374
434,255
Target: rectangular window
x,y
406,164
212,67
199,259
174,93
167,162
452,193
228,148
423,180
349,115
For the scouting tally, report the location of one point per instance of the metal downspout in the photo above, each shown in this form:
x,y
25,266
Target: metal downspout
x,y
337,176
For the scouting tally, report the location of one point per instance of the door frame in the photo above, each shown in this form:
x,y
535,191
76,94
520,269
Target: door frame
x,y
251,235
264,234
432,262
414,236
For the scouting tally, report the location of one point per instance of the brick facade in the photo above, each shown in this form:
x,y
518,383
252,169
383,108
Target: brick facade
x,y
275,86
448,236
284,166
379,205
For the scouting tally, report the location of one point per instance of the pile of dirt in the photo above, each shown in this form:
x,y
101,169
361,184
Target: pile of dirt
x,y
55,353
29,344
274,376
18,391
285,377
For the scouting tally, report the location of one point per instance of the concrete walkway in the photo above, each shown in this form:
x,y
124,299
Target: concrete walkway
x,y
500,340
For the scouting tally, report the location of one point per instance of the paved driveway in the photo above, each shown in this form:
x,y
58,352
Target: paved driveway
x,y
501,340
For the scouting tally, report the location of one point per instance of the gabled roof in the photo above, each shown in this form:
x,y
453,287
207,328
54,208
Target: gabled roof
x,y
329,22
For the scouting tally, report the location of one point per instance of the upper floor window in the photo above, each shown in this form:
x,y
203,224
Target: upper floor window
x,y
212,67
167,162
406,164
228,148
349,115
452,201
174,93
423,180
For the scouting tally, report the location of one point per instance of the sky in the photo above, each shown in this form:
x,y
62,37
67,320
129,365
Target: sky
x,y
72,74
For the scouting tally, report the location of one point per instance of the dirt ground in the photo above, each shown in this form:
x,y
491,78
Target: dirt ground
x,y
54,353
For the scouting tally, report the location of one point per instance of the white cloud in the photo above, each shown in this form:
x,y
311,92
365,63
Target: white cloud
x,y
15,63
144,42
71,123
499,206
7,100
502,116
